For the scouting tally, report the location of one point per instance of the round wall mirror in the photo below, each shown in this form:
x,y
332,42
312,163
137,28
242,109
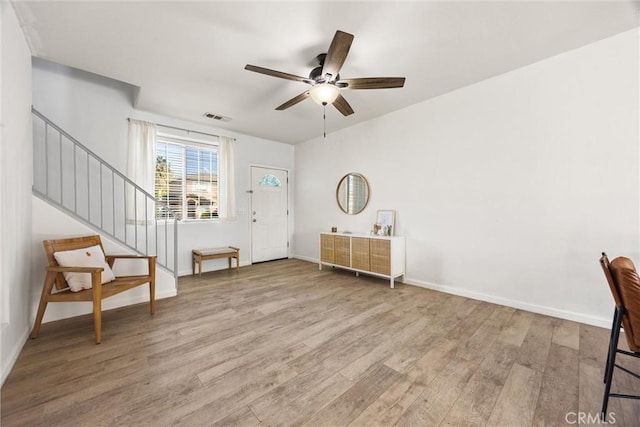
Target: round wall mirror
x,y
352,193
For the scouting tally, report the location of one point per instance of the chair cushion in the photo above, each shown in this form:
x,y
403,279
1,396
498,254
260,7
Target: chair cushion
x,y
85,257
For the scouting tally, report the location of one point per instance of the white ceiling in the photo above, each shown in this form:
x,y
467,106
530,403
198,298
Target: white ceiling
x,y
189,57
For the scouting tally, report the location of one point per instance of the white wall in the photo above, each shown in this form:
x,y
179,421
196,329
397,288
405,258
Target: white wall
x,y
94,109
15,188
506,190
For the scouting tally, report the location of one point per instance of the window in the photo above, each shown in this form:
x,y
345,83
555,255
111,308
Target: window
x,y
187,178
269,180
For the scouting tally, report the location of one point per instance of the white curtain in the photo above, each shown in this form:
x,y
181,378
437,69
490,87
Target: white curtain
x,y
226,179
141,170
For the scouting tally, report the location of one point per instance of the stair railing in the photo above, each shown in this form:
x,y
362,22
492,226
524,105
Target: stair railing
x,y
77,181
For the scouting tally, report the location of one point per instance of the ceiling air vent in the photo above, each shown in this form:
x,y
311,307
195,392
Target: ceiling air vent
x,y
216,117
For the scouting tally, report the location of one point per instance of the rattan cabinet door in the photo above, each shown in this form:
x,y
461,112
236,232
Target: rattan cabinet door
x,y
360,253
380,256
342,250
327,248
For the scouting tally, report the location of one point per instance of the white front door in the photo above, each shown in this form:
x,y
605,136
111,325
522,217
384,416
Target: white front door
x,y
269,214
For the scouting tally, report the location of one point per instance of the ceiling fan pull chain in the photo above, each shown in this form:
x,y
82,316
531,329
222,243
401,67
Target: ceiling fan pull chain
x,y
324,119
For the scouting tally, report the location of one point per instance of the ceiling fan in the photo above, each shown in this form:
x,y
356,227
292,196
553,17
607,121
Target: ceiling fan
x,y
325,79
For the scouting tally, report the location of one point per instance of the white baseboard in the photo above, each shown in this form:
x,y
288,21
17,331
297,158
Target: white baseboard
x,y
7,364
56,311
305,258
167,293
216,268
540,309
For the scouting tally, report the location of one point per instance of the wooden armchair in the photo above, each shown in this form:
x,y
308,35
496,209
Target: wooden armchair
x,y
98,291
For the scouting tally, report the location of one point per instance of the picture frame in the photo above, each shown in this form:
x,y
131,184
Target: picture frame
x,y
387,221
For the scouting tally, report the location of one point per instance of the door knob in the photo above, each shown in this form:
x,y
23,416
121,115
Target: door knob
x,y
255,220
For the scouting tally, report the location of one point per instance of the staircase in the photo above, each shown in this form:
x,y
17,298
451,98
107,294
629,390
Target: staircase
x,y
69,176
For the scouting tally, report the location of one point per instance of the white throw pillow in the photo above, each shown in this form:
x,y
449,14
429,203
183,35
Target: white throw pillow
x,y
85,257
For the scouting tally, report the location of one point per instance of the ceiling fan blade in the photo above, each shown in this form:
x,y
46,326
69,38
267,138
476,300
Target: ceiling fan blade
x,y
278,74
343,106
293,101
336,54
372,83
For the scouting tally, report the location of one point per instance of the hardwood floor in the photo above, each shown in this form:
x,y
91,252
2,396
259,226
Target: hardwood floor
x,y
282,343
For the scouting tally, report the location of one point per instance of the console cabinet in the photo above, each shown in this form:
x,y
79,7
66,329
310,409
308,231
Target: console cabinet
x,y
381,256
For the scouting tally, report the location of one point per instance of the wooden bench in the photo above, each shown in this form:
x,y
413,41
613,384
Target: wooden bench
x,y
199,255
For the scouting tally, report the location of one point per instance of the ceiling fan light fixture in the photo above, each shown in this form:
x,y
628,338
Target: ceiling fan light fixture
x,y
325,80
324,93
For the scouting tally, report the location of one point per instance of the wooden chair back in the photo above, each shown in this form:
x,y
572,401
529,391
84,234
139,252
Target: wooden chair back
x,y
58,245
624,284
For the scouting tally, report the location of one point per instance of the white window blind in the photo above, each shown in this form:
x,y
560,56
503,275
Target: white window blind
x,y
187,178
